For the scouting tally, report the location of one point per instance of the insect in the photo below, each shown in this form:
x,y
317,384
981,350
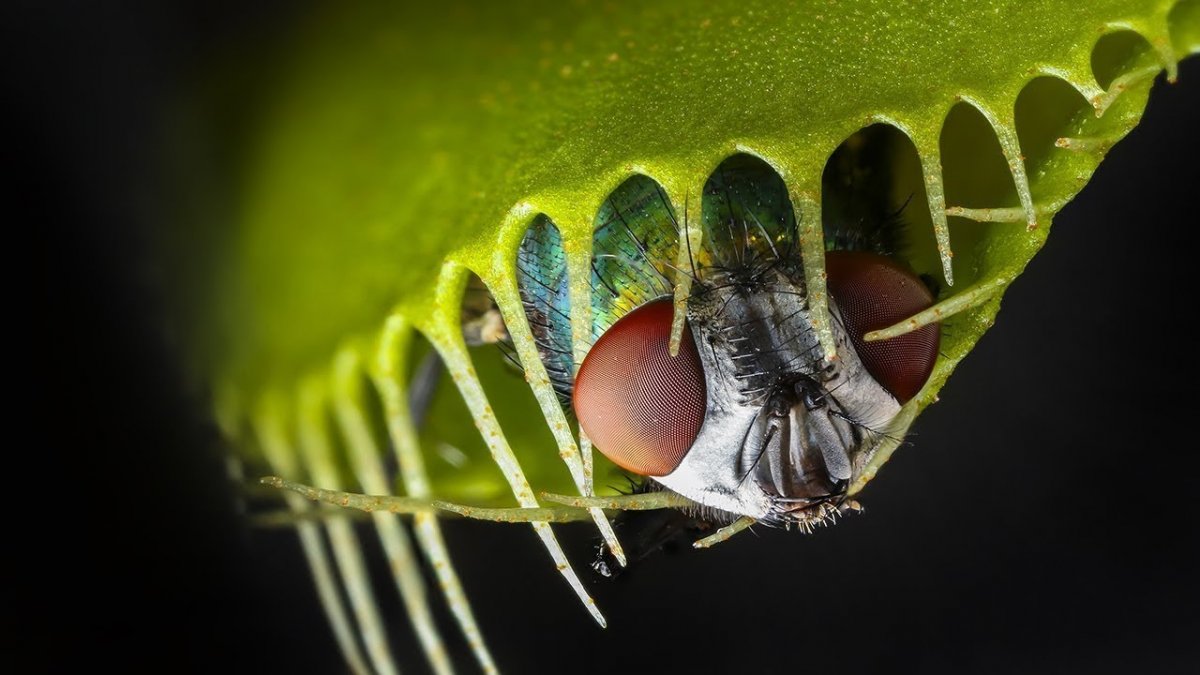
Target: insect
x,y
749,372
855,425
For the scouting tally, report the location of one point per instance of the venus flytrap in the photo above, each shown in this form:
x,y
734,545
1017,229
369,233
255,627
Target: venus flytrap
x,y
401,151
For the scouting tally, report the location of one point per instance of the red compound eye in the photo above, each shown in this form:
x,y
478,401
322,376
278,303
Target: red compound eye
x,y
642,407
873,292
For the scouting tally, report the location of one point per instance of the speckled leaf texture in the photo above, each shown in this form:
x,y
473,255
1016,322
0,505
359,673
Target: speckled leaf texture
x,y
396,147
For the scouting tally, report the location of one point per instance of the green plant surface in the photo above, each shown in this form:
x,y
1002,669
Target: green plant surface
x,y
399,138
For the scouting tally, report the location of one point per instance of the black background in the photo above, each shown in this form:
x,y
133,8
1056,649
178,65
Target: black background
x,y
1044,520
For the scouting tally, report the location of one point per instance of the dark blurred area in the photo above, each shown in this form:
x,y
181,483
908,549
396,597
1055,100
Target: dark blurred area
x,y
1043,518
